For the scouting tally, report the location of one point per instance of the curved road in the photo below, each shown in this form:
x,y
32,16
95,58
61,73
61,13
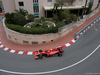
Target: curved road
x,y
85,45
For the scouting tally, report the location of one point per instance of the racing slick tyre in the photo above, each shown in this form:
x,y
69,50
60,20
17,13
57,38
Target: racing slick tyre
x,y
59,54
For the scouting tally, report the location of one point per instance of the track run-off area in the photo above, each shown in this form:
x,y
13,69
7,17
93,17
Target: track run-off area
x,y
81,58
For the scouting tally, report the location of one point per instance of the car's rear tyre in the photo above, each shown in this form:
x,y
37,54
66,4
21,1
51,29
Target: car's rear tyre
x,y
59,54
46,56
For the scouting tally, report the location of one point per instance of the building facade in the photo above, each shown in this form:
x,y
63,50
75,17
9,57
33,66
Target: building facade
x,y
42,7
1,6
95,4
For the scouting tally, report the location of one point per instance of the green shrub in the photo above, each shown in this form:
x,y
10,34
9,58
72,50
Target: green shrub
x,y
22,11
37,22
50,19
19,19
7,15
62,15
44,25
34,30
55,17
53,29
74,17
30,17
88,10
42,19
65,15
10,18
33,25
60,23
14,27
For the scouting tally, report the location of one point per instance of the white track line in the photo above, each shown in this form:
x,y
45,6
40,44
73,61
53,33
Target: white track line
x,y
54,70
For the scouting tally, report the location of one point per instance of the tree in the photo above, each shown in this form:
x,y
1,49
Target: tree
x,y
65,15
61,4
37,22
7,15
74,17
22,11
30,17
85,6
89,8
42,19
19,19
62,15
10,18
56,5
55,17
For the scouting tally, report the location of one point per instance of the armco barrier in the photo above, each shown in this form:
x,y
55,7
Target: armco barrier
x,y
77,35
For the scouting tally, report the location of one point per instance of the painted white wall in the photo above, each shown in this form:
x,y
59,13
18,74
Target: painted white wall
x,y
28,5
95,4
9,6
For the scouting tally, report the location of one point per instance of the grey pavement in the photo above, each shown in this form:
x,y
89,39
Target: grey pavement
x,y
82,48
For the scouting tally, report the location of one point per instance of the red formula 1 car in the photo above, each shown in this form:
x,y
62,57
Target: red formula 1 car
x,y
39,54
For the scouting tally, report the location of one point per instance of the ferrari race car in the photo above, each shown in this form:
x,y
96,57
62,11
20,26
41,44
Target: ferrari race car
x,y
39,54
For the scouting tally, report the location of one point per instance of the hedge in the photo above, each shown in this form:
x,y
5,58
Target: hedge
x,y
34,30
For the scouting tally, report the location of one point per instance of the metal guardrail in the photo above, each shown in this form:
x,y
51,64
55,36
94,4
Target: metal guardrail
x,y
81,31
88,16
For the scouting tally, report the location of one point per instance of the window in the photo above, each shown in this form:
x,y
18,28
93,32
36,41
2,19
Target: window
x,y
70,2
49,0
44,42
34,42
36,9
21,3
35,1
80,2
25,41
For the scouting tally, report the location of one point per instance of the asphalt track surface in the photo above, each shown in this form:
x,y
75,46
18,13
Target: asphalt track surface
x,y
83,47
